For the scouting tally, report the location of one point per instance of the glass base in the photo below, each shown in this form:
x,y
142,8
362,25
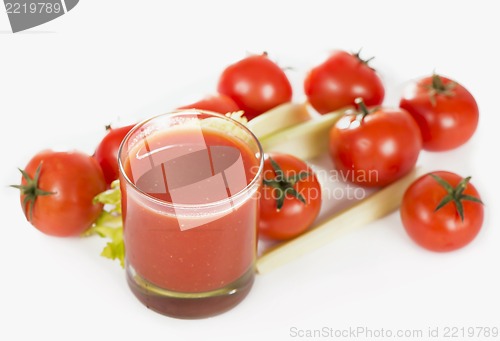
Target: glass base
x,y
190,305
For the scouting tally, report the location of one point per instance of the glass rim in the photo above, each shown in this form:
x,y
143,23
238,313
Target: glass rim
x,y
194,112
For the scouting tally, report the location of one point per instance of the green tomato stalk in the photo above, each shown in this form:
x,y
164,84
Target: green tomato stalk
x,y
455,195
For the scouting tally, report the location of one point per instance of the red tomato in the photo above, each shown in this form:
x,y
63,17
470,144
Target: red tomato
x,y
291,197
218,103
256,84
106,152
339,80
57,192
445,111
442,213
374,148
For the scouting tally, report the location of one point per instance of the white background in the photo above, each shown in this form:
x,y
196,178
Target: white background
x,y
120,61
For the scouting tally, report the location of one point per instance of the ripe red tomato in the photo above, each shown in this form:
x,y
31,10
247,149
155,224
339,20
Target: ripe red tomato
x,y
290,199
57,192
445,111
218,103
339,80
375,148
256,84
441,211
106,152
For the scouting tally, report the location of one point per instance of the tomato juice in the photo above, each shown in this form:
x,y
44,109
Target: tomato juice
x,y
190,210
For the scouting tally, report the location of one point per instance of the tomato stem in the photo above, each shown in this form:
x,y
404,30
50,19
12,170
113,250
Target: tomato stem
x,y
437,83
362,107
363,61
31,191
455,194
437,87
285,184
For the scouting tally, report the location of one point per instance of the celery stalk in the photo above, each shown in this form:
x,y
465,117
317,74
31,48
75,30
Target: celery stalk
x,y
305,140
376,206
283,116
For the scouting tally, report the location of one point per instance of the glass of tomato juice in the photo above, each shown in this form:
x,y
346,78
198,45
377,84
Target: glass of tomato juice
x,y
190,182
